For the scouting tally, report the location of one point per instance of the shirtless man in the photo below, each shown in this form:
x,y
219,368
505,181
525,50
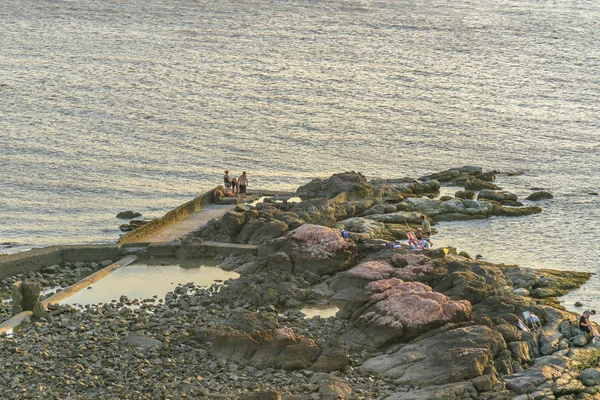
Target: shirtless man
x,y
243,183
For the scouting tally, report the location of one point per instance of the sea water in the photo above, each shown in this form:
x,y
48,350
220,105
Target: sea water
x,y
108,106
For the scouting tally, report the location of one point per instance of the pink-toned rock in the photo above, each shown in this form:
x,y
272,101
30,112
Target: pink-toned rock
x,y
313,248
398,311
372,271
413,268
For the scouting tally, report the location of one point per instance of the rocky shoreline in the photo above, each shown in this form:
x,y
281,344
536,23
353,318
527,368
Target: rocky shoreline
x,y
428,325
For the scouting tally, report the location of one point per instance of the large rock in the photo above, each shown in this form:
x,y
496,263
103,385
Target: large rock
x,y
314,248
504,211
399,217
269,231
478,184
352,183
502,197
232,222
128,214
275,287
398,311
429,186
537,196
465,194
547,374
145,342
258,340
590,376
333,357
450,210
368,228
452,356
283,349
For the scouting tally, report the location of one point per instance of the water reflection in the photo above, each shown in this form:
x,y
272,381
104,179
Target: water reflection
x,y
151,278
323,311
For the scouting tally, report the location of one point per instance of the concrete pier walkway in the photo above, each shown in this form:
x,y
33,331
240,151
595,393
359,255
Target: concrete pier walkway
x,y
191,223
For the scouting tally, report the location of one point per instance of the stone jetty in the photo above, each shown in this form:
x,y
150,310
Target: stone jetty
x,y
411,325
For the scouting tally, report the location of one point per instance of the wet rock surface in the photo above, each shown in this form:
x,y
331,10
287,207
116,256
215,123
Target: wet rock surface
x,y
411,325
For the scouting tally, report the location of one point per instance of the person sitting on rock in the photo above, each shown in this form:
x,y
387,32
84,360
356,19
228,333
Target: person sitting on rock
x,y
586,325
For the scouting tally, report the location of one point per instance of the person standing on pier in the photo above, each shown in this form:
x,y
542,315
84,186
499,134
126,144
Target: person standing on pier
x,y
243,183
227,180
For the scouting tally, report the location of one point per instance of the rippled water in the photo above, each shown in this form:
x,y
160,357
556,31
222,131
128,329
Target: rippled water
x,y
113,105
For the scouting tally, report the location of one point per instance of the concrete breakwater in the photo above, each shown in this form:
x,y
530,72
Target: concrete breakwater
x,y
36,259
177,214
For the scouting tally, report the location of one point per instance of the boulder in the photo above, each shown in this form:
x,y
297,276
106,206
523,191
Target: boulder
x,y
465,194
537,196
451,356
502,211
283,349
353,184
331,387
264,289
268,231
450,210
379,208
590,376
128,214
258,341
399,217
333,357
429,186
486,176
232,222
443,176
501,197
368,227
145,342
543,376
478,184
398,311
314,248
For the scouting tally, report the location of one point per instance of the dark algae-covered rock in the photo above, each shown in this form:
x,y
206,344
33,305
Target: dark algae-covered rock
x,y
537,196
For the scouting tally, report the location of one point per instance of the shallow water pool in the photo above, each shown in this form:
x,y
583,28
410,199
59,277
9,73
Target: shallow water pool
x,y
151,278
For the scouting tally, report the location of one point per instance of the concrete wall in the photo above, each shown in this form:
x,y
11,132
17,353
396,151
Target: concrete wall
x,y
36,259
177,214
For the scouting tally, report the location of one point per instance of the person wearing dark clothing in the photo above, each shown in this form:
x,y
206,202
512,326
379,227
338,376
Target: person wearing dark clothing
x,y
227,180
586,325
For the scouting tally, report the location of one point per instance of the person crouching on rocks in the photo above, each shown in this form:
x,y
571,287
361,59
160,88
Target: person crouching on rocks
x,y
235,186
586,325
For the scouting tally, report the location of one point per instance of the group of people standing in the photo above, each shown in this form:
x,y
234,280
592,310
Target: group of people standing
x,y
237,186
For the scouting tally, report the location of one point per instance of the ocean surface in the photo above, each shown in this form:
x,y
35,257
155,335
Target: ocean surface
x,y
108,106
